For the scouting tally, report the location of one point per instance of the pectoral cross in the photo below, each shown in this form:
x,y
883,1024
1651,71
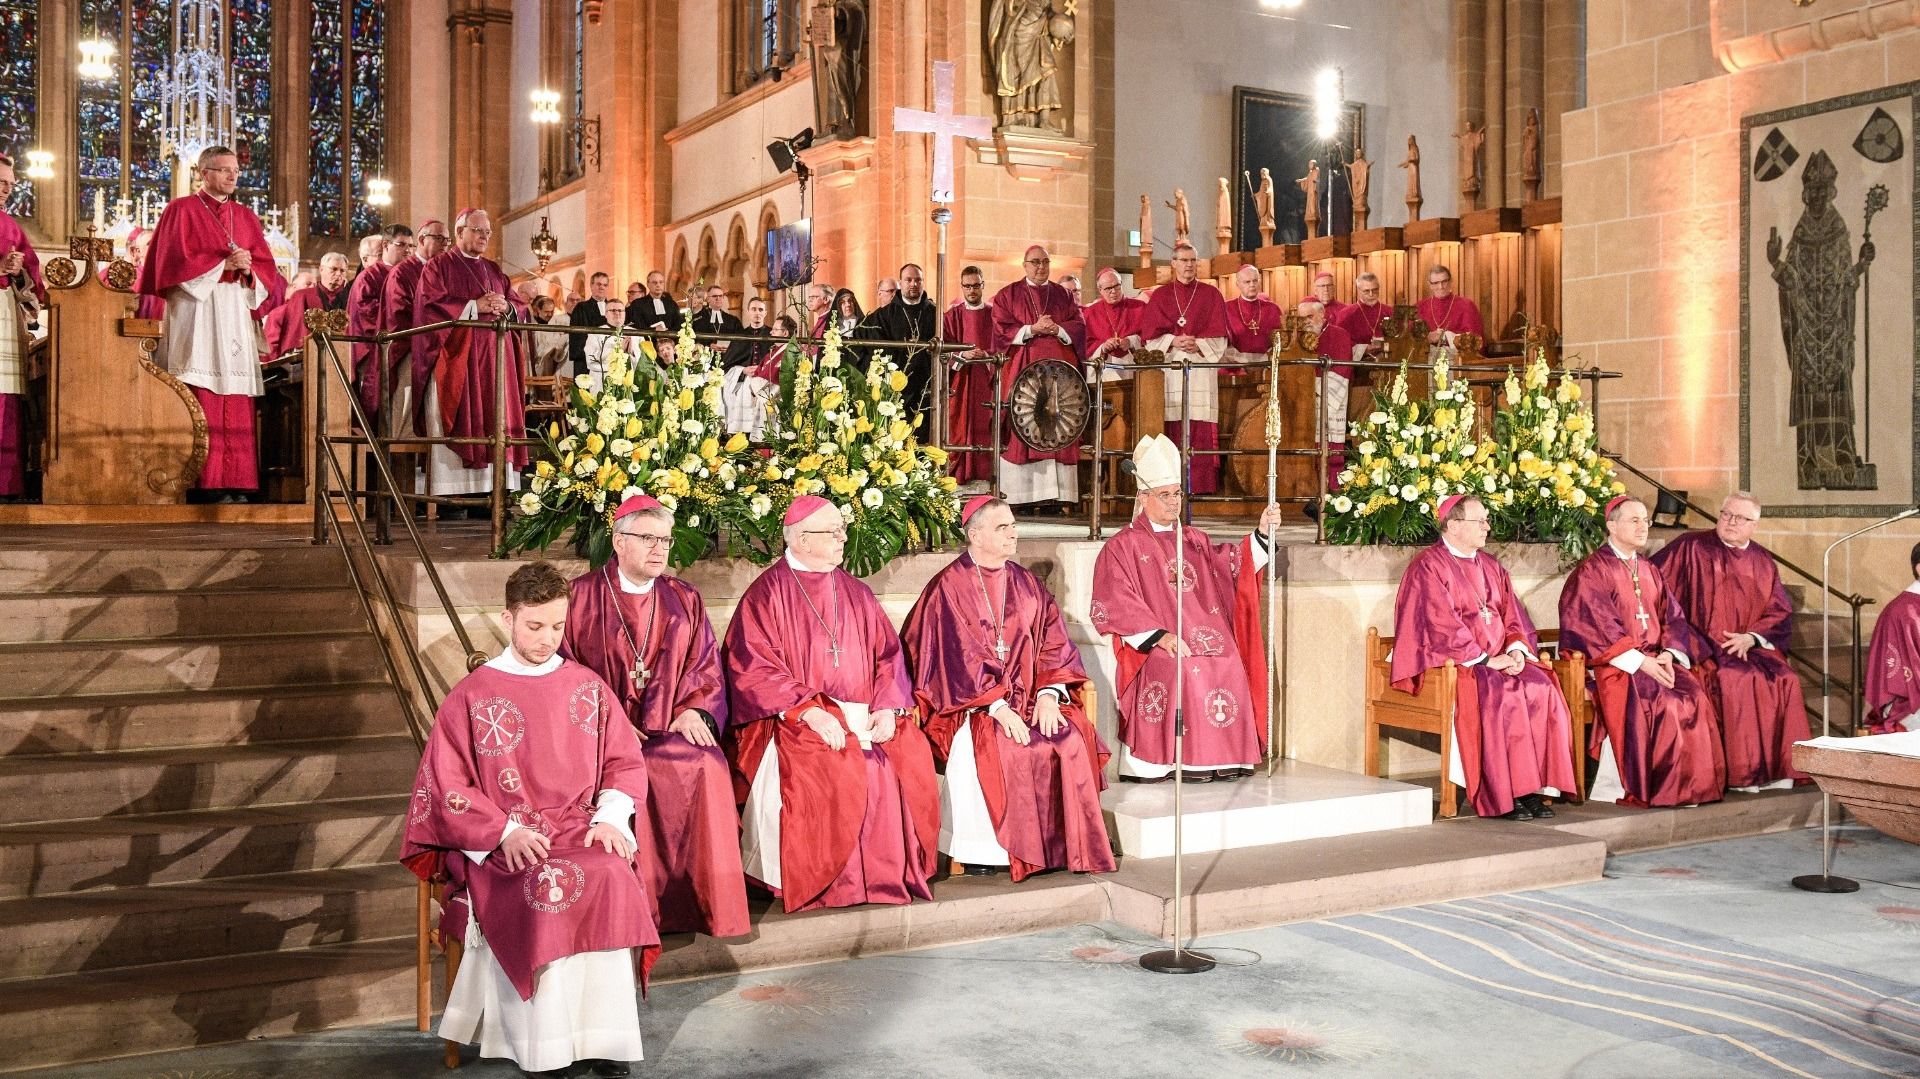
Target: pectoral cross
x,y
1486,614
1000,650
640,675
833,650
1641,615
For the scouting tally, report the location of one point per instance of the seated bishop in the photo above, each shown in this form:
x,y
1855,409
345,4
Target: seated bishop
x,y
1212,621
525,800
1658,738
1893,687
1512,742
646,633
998,683
839,802
1731,593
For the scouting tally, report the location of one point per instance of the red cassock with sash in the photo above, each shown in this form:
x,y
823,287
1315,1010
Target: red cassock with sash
x,y
1758,699
970,391
1664,741
536,750
462,359
690,838
1198,311
1893,664
1043,797
397,296
1512,731
1455,314
1226,718
364,297
1015,307
855,826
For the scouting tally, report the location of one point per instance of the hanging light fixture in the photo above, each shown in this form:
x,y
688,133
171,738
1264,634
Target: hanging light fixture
x,y
379,192
96,59
195,97
39,165
546,106
545,246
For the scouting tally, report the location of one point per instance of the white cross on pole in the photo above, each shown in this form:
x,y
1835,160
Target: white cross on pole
x,y
944,125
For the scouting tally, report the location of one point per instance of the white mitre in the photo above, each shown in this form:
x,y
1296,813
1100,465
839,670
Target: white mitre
x,y
1156,462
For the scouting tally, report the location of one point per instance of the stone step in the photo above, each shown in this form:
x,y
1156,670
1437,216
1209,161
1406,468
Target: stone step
x,y
251,714
100,1015
213,844
77,616
45,936
1299,801
65,668
74,786
150,569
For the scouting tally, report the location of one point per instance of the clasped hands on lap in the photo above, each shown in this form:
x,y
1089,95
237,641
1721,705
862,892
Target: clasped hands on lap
x,y
834,733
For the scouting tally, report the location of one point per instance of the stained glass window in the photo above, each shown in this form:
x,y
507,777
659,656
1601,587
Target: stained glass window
x,y
149,52
100,116
117,121
19,92
347,114
251,46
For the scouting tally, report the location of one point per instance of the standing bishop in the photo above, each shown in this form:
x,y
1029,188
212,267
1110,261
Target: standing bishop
x,y
22,293
646,633
524,802
1731,593
1209,625
209,262
1113,323
969,321
1658,739
363,313
1252,320
408,354
840,806
1512,745
1035,319
458,387
1893,660
1187,320
1447,313
286,328
998,683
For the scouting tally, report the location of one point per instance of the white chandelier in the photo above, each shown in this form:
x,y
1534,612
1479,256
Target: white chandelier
x,y
195,95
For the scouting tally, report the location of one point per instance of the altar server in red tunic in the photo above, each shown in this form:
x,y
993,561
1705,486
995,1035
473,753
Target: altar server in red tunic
x,y
1658,739
1224,689
1893,660
998,684
646,633
836,779
525,798
1035,319
210,264
1186,318
1512,741
969,321
459,388
1731,593
1446,313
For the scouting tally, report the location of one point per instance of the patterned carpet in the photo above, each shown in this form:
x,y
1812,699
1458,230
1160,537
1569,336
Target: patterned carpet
x,y
1691,962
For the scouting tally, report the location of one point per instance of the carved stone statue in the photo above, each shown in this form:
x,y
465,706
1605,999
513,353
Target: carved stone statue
x,y
1022,38
837,36
1146,232
1310,183
1182,232
1412,165
1530,155
1358,171
1471,142
1223,219
1263,206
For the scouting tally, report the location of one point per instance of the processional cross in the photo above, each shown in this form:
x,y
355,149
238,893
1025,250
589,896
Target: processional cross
x,y
944,125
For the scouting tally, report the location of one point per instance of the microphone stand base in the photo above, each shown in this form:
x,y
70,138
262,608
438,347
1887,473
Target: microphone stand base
x,y
1182,961
1813,882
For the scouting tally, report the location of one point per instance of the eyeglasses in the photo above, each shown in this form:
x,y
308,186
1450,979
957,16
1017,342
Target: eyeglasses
x,y
647,541
1165,496
1475,520
1039,262
441,236
1737,519
840,532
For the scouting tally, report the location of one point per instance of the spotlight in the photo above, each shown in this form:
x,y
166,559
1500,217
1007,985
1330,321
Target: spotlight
x,y
785,153
1328,92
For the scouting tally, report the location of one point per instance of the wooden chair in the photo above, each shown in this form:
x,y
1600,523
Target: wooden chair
x,y
426,936
1431,710
1089,702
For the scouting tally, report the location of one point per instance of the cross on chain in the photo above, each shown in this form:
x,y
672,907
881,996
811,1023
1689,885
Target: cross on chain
x,y
944,125
1486,614
1641,616
834,650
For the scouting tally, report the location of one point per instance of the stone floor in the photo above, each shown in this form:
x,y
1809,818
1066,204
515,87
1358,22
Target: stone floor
x,y
1688,962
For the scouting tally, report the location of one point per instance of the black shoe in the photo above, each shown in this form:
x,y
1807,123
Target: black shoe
x,y
555,1073
981,870
1147,779
1518,812
1197,777
1537,805
607,1069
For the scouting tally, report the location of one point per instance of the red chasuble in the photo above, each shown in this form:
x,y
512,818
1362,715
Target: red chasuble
x,y
1456,314
1762,712
286,328
1512,730
1251,324
1133,592
461,360
363,320
969,391
1044,797
1114,328
1020,305
855,826
1666,742
196,233
1362,321
1204,312
397,296
536,750
1893,665
690,842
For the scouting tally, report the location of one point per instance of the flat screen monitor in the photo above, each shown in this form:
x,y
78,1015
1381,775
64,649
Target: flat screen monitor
x,y
790,254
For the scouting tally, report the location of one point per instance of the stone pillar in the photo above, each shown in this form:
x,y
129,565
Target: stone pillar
x,y
1525,59
1561,34
632,85
1493,94
482,39
1470,63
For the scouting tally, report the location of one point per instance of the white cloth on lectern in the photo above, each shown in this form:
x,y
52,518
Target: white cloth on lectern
x,y
584,1007
966,827
1202,395
209,337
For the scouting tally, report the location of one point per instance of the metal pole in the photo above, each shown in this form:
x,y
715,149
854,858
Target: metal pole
x,y
1099,441
999,409
937,427
1273,492
498,509
318,483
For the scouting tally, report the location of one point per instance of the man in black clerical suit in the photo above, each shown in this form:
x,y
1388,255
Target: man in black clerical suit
x,y
750,353
910,317
655,310
591,311
713,318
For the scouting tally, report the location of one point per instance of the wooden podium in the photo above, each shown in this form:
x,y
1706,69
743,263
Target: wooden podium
x,y
120,430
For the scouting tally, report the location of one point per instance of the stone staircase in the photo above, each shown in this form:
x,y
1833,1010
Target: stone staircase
x,y
205,773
